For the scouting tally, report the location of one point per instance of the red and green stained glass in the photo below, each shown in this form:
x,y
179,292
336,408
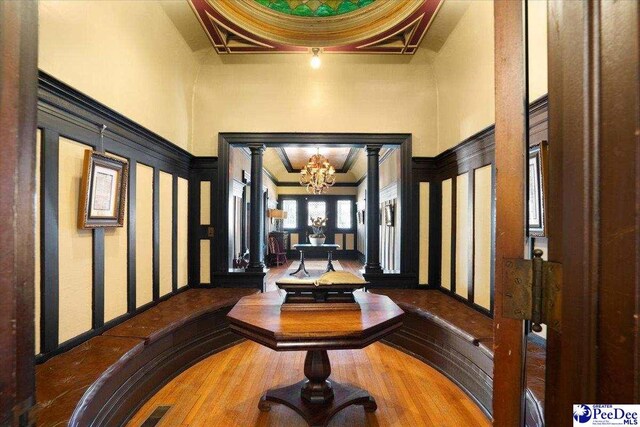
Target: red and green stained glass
x,y
315,8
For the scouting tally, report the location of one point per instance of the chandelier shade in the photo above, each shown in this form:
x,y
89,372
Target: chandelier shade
x,y
318,174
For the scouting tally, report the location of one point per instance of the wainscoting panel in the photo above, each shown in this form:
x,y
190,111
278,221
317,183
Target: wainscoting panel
x,y
205,264
423,245
182,247
75,267
349,242
462,235
144,235
166,233
115,277
482,218
90,280
445,267
339,240
205,202
294,239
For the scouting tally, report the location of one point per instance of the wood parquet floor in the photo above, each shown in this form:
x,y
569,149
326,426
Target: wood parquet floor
x,y
224,389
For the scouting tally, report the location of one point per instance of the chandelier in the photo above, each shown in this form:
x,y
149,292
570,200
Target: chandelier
x,y
318,174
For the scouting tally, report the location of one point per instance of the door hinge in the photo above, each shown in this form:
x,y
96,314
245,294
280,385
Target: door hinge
x,y
533,291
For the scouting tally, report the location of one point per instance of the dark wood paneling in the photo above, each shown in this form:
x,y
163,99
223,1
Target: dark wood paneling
x,y
594,232
97,309
18,68
511,149
64,112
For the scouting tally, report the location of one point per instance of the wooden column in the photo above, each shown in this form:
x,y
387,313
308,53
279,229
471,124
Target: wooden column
x,y
511,149
18,83
373,210
256,215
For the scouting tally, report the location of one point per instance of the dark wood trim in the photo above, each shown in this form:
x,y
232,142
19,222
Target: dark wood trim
x,y
18,67
97,308
50,275
594,232
350,160
297,184
466,301
174,234
131,239
156,234
511,141
285,159
454,231
471,237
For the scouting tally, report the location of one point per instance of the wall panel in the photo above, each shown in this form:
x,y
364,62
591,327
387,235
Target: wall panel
x,y
183,229
144,235
205,202
462,235
75,267
349,241
115,276
423,246
166,233
205,263
482,237
445,267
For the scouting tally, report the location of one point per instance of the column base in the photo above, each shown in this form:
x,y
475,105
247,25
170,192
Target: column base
x,y
373,269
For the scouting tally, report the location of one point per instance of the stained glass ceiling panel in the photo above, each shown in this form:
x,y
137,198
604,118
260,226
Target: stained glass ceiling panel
x,y
315,8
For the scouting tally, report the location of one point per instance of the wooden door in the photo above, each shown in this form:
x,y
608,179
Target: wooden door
x,y
593,204
18,83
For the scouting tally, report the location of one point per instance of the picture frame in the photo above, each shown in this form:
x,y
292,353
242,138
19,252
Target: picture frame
x,y
103,191
537,189
388,215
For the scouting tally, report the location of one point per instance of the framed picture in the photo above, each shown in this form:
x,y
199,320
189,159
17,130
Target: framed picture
x,y
537,189
388,215
103,191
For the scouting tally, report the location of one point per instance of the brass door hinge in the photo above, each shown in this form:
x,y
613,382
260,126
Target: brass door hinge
x,y
533,291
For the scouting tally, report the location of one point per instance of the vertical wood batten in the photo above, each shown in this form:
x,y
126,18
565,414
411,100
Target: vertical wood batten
x,y
49,255
131,246
510,137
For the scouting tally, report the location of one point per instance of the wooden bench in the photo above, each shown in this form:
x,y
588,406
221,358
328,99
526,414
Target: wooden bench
x,y
458,341
104,380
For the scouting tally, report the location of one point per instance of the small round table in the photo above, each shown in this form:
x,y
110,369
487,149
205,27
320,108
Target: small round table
x,y
259,318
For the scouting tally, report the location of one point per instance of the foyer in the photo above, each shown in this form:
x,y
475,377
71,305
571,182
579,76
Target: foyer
x,y
318,212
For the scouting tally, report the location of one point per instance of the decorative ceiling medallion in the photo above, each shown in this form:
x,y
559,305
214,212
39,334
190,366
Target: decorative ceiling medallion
x,y
318,8
378,26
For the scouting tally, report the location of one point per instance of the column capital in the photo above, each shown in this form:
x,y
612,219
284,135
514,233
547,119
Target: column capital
x,y
373,148
256,147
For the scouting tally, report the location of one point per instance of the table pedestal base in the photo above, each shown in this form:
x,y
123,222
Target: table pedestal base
x,y
316,399
318,414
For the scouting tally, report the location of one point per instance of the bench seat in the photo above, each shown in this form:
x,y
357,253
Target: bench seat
x,y
103,380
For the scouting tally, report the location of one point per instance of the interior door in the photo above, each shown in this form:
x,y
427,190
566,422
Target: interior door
x,y
593,205
18,85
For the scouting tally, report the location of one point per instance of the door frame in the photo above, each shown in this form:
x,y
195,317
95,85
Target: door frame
x,y
18,103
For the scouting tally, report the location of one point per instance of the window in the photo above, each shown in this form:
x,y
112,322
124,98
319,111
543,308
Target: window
x,y
291,208
316,209
344,214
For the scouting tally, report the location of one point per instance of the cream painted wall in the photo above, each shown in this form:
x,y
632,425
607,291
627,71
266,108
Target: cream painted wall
x,y
75,246
166,232
126,54
482,237
281,93
446,224
144,234
183,229
464,71
115,276
423,245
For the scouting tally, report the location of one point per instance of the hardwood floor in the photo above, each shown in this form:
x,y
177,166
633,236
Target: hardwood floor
x,y
275,273
224,389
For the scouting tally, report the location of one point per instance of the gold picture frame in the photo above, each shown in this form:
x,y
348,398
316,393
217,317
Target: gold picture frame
x,y
103,191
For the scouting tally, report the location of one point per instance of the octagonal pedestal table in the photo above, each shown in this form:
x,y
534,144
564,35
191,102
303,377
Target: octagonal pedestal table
x,y
259,318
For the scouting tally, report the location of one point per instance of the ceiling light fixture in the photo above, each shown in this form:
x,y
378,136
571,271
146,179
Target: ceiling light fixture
x,y
318,174
315,59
